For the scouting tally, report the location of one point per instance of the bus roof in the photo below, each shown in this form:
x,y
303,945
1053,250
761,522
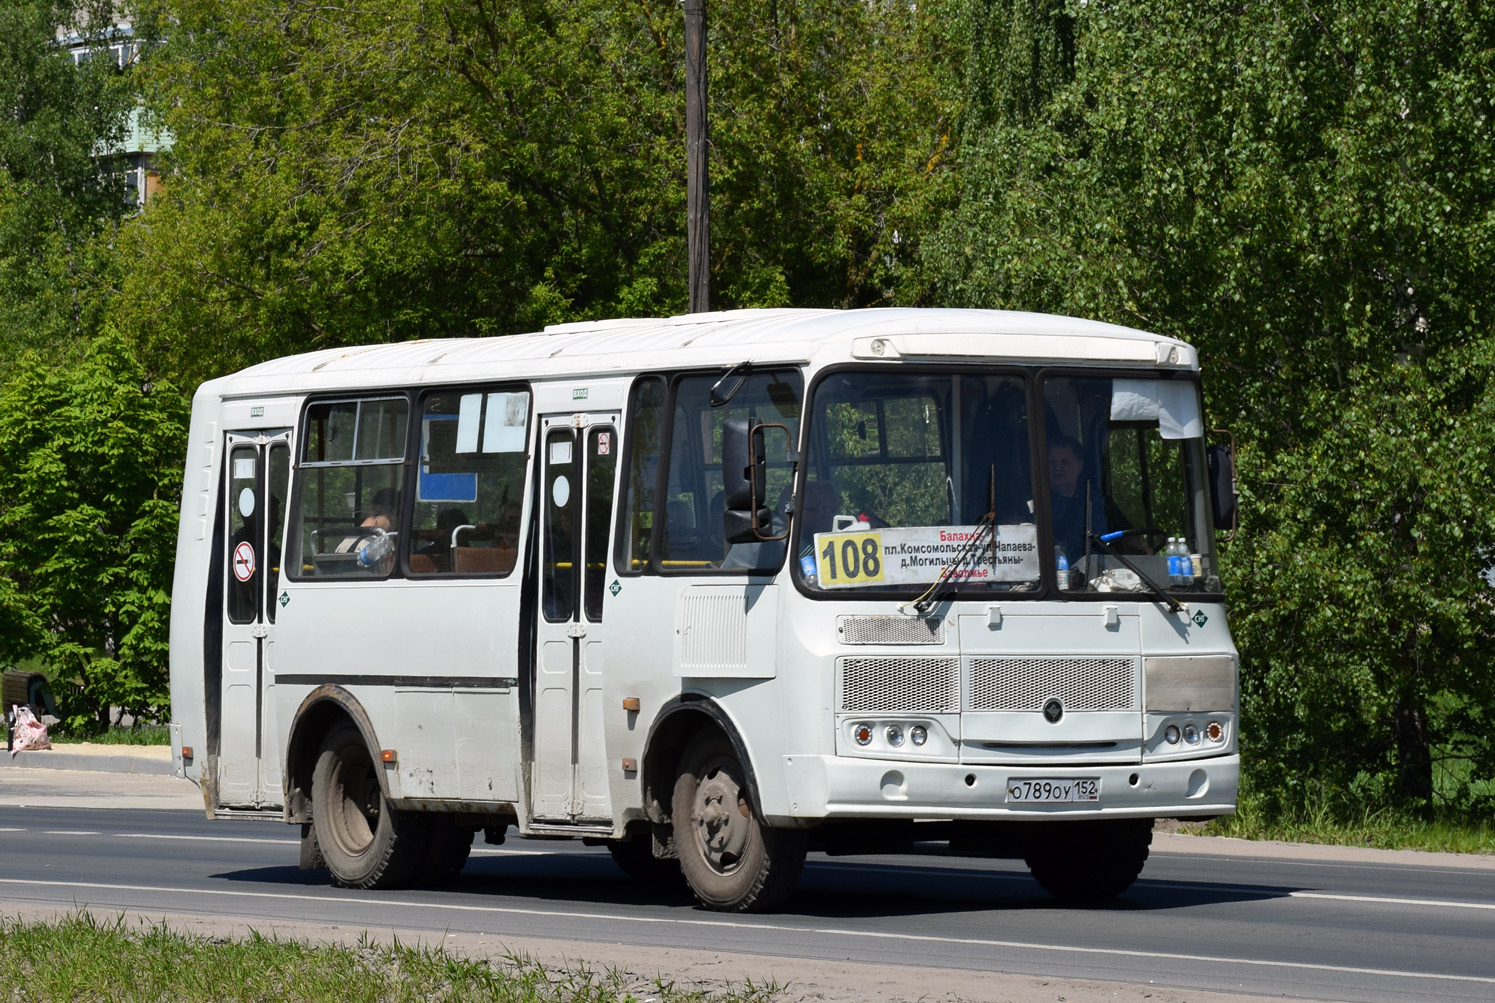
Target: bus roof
x,y
624,346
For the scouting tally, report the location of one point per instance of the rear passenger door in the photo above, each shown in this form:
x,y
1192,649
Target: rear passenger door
x,y
256,489
577,470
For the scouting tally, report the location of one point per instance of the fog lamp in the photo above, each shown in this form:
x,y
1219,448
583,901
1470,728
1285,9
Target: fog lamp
x,y
862,733
1191,734
918,735
1170,734
895,735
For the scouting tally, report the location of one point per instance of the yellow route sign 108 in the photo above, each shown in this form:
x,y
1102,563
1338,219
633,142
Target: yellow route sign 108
x,y
848,558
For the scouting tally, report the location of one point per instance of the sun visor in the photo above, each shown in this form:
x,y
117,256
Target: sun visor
x,y
1173,404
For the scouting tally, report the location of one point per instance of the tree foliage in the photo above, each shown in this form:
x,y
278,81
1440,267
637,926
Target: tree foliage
x,y
56,196
388,169
90,479
1303,192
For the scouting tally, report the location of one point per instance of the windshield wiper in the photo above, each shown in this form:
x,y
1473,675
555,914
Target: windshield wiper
x,y
1103,541
932,595
987,524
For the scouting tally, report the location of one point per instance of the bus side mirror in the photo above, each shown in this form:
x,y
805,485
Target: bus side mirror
x,y
1222,486
747,518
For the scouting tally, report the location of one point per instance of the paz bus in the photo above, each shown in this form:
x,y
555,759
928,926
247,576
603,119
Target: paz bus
x,y
713,591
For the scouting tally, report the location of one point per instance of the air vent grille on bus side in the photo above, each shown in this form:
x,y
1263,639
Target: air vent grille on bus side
x,y
1024,683
890,630
914,685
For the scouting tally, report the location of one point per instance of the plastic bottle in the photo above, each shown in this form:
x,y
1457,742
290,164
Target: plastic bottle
x,y
1061,566
1185,563
1175,576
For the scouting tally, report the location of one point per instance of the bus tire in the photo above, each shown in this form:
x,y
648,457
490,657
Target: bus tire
x,y
447,848
365,842
1089,861
731,859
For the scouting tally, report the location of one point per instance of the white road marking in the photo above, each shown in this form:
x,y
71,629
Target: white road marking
x,y
1434,903
67,832
4,829
33,886
205,839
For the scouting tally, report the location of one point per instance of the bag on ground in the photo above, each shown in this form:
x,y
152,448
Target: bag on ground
x,y
28,734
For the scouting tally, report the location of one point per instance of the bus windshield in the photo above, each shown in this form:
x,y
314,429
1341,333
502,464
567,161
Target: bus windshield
x,y
911,476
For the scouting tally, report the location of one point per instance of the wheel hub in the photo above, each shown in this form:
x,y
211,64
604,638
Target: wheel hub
x,y
722,819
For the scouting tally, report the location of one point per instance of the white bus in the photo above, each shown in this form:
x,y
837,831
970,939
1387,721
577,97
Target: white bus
x,y
712,590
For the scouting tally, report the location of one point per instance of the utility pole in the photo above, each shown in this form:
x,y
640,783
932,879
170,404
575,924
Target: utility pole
x,y
698,178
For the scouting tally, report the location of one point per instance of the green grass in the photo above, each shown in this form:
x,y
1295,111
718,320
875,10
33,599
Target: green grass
x,y
1322,814
148,734
84,959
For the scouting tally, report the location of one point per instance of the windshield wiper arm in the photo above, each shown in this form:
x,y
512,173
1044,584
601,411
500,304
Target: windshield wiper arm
x,y
1103,541
969,551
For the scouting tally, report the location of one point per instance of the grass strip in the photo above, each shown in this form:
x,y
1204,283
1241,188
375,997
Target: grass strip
x,y
84,959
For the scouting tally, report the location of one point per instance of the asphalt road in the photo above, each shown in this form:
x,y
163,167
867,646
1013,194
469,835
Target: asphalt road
x,y
1400,927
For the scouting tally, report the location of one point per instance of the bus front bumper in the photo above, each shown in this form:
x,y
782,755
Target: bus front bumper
x,y
822,787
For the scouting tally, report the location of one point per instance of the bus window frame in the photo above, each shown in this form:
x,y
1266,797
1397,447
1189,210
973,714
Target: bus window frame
x,y
291,570
622,550
1044,502
809,457
408,499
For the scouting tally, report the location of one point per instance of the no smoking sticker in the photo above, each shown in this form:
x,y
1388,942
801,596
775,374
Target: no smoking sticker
x,y
244,561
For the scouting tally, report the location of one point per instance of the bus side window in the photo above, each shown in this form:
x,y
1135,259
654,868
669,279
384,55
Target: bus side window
x,y
694,540
645,433
352,479
469,482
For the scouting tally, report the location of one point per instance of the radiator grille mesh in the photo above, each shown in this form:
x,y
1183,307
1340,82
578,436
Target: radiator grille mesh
x,y
919,685
891,630
1081,683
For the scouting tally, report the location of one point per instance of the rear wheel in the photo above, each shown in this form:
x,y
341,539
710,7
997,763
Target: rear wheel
x,y
365,843
731,859
447,849
1089,861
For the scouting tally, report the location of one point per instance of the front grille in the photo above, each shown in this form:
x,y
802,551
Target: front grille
x,y
891,630
911,685
1081,683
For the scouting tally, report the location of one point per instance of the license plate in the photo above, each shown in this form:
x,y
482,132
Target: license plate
x,y
1040,791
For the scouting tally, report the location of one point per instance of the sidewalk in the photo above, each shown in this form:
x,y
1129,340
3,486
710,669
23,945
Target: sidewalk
x,y
152,760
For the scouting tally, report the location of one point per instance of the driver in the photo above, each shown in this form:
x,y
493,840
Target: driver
x,y
1067,496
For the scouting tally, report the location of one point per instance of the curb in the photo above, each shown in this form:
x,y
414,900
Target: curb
x,y
51,759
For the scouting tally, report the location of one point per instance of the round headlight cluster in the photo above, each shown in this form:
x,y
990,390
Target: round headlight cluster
x,y
894,735
1191,735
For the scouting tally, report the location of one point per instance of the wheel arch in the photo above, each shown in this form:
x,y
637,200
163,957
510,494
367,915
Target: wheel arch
x,y
321,709
677,722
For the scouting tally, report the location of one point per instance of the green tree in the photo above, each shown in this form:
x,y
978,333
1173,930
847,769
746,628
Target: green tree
x,y
90,479
59,202
1303,192
389,169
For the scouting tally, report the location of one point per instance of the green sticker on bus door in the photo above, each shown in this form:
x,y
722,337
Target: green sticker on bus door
x,y
1199,618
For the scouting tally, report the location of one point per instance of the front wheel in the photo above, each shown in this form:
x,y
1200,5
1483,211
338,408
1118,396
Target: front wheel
x,y
732,860
365,842
1089,861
